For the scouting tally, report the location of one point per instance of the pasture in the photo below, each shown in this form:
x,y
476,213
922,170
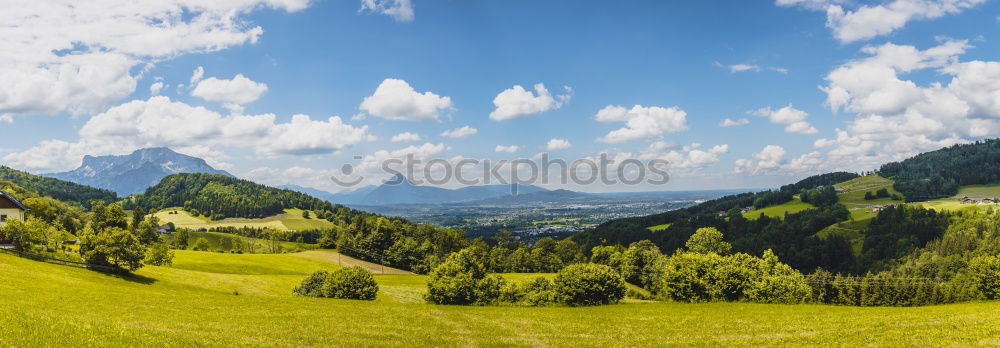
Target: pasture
x,y
210,299
291,219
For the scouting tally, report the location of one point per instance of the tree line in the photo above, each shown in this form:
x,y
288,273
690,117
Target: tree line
x,y
940,173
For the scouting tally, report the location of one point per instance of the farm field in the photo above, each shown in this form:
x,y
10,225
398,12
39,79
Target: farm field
x,y
972,191
291,220
794,206
245,300
853,192
658,227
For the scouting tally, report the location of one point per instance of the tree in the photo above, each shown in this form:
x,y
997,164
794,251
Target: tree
x,y
305,214
146,232
985,272
112,247
353,283
159,255
588,285
642,263
200,244
708,240
462,280
181,239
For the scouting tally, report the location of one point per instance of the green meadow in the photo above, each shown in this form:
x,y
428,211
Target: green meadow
x,y
794,206
291,219
210,299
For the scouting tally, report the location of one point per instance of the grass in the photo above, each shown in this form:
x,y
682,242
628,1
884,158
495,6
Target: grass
x,y
973,191
291,219
658,227
215,241
50,305
853,192
794,206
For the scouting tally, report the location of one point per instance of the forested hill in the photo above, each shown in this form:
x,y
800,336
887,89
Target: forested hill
x,y
61,190
220,196
938,174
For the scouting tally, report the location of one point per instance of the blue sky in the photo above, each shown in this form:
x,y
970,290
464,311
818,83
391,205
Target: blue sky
x,y
687,65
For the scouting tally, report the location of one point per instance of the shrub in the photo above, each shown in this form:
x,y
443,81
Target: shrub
x,y
353,283
312,285
985,271
642,263
537,292
159,255
588,285
456,280
693,277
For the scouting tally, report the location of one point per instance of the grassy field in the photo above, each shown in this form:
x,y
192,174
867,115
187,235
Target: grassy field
x,y
853,192
973,191
215,242
658,227
291,220
794,206
245,300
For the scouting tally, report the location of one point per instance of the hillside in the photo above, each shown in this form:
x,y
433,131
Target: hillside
x,y
939,174
290,219
59,189
220,196
135,172
224,299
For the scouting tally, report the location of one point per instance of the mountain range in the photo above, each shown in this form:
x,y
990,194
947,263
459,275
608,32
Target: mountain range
x,y
399,190
135,172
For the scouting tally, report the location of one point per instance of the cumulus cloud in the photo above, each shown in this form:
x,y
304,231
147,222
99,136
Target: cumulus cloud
x,y
396,100
405,137
239,90
770,158
557,144
896,117
159,121
506,148
79,57
156,87
516,102
641,122
855,23
400,10
461,132
728,122
793,119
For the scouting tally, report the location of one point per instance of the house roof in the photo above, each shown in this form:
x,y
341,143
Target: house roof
x,y
4,194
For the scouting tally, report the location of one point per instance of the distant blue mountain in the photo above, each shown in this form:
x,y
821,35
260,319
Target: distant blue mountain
x,y
399,190
134,173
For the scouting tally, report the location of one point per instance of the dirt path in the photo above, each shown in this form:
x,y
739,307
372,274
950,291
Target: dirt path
x,y
344,260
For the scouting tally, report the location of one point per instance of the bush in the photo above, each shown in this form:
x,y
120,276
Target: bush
x,y
588,285
641,264
693,277
457,280
352,283
159,255
537,292
985,271
313,285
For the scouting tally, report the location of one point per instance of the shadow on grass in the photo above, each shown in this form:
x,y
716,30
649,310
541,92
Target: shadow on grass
x,y
126,276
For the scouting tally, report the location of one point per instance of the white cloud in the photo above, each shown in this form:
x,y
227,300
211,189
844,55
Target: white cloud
x,y
460,132
793,119
506,148
735,68
78,56
196,76
770,158
869,21
516,102
642,122
155,88
159,121
400,10
896,117
239,90
558,144
734,123
396,100
405,137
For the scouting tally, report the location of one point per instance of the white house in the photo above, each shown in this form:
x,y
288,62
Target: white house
x,y
10,208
